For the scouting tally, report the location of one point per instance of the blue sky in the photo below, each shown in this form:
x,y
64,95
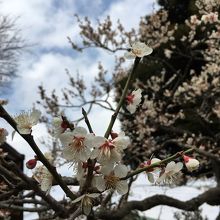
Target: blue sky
x,y
45,24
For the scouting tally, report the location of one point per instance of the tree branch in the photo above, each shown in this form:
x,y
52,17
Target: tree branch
x,y
210,196
30,140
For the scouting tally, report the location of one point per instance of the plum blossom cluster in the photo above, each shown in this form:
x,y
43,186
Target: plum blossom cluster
x,y
79,146
86,151
168,174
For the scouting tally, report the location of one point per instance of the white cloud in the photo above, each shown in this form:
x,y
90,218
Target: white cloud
x,y
46,24
129,11
42,22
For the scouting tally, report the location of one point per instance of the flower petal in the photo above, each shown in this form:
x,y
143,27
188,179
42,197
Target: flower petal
x,y
161,178
34,116
150,177
97,141
94,154
66,138
87,209
100,183
79,131
68,153
107,168
120,170
178,167
170,166
122,187
129,55
78,199
131,108
93,195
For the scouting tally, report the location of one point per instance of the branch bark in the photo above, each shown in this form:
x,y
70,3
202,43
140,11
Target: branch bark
x,y
210,197
30,140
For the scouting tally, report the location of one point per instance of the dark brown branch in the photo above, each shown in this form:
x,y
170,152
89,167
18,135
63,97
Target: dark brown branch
x,y
21,208
210,197
32,184
17,201
87,120
30,140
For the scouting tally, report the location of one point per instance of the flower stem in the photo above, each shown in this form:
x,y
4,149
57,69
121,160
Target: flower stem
x,y
157,164
124,93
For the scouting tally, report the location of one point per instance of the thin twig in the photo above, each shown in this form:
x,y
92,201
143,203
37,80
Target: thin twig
x,y
162,162
121,101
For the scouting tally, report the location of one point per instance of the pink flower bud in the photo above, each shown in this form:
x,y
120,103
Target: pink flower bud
x,y
191,163
31,164
186,158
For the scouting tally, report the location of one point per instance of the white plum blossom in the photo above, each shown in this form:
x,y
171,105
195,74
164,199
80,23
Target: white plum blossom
x,y
3,134
121,142
171,171
191,163
26,120
210,18
194,20
109,151
76,144
59,126
133,100
168,53
138,49
86,202
152,172
111,180
43,175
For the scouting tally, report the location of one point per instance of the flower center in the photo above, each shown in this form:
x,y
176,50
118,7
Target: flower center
x,y
111,181
78,143
106,148
107,145
136,52
28,126
130,99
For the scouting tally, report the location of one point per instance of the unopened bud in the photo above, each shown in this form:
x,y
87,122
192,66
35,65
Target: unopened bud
x,y
191,163
31,164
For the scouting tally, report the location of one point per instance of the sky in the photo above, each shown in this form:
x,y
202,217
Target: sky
x,y
45,25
